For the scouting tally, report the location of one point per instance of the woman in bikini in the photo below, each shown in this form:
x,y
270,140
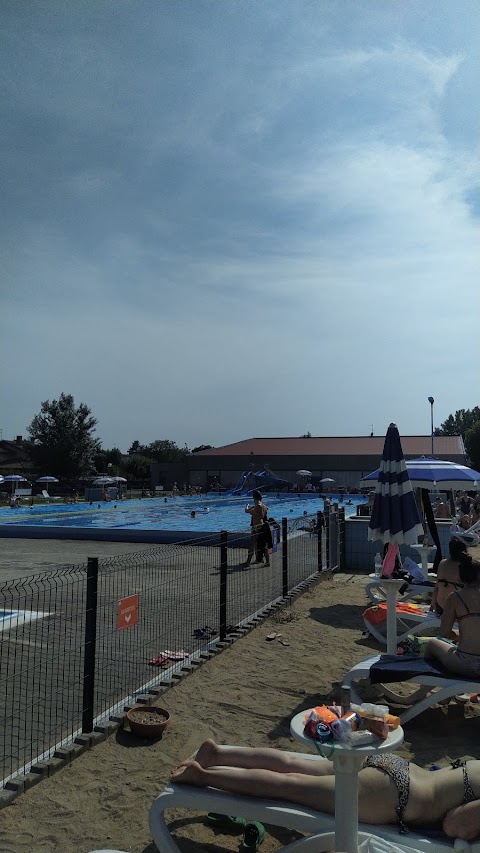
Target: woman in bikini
x,y
390,789
462,606
448,577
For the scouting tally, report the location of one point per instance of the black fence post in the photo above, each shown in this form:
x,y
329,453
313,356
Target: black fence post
x,y
90,643
223,583
342,556
320,522
284,558
327,535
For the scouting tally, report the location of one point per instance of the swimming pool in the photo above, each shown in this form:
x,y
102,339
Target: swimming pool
x,y
115,520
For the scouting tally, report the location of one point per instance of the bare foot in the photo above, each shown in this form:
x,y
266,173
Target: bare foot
x,y
208,754
189,774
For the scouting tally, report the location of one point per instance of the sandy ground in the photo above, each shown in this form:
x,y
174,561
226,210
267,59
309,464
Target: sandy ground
x,y
246,695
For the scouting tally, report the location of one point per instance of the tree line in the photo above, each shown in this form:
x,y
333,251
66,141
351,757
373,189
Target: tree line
x,y
62,442
465,422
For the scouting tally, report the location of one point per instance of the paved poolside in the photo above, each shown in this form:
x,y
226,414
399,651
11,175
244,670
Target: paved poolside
x,y
19,557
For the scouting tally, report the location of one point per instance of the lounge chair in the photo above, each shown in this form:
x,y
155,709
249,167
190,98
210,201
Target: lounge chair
x,y
471,536
48,497
434,682
423,622
376,593
290,816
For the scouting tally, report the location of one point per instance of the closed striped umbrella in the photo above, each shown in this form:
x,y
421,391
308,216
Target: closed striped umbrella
x,y
395,517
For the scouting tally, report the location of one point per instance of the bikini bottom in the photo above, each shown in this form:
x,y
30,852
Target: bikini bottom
x,y
468,794
472,661
399,771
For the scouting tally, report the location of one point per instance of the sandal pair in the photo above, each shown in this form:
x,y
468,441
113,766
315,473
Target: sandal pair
x,y
162,660
204,633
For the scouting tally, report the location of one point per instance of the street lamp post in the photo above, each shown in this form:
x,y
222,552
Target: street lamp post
x,y
431,401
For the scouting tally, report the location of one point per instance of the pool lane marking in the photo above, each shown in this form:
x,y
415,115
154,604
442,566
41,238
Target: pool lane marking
x,y
21,617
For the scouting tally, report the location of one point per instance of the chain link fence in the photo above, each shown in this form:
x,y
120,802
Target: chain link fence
x,y
80,643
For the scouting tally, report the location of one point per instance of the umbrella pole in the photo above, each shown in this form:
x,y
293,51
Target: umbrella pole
x,y
391,587
420,504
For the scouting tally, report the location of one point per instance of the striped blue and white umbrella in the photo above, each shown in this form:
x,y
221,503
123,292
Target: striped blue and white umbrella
x,y
437,474
395,517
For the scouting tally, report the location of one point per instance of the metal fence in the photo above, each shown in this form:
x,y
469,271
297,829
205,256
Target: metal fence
x,y
77,648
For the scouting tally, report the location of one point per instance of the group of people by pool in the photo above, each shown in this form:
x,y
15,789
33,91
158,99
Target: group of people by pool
x,y
390,789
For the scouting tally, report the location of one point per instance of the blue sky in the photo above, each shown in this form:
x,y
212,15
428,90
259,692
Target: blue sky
x,y
233,218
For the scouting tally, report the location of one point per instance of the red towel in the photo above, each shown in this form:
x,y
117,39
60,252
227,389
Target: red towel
x,y
378,612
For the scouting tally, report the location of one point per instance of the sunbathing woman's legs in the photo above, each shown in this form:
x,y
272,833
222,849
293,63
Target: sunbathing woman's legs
x,y
377,801
211,754
292,787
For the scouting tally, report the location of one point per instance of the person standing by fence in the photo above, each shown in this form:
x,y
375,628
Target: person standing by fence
x,y
258,513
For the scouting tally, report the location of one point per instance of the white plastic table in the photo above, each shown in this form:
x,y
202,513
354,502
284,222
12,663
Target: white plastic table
x,y
391,587
347,761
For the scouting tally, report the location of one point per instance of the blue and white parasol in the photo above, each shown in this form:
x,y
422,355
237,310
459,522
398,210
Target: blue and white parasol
x,y
395,518
436,474
15,479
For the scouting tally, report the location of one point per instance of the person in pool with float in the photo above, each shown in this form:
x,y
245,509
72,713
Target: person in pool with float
x,y
390,789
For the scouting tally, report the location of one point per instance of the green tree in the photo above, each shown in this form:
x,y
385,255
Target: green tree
x,y
137,468
472,446
163,450
108,461
202,447
135,447
61,438
465,422
460,422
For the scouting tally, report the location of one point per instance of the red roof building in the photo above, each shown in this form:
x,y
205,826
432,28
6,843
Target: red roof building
x,y
345,459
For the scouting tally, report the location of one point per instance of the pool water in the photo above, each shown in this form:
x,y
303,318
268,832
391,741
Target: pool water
x,y
211,514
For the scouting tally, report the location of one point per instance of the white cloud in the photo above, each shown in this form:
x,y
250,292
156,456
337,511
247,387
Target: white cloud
x,y
266,237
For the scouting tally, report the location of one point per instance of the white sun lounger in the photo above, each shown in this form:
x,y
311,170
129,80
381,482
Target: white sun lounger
x,y
418,701
290,816
47,497
470,537
422,624
377,595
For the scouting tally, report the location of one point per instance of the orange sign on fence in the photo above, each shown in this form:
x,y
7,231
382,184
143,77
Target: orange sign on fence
x,y
127,612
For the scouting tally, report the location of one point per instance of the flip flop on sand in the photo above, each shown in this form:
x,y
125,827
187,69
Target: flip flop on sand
x,y
225,821
273,636
162,660
284,642
253,835
180,655
204,633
